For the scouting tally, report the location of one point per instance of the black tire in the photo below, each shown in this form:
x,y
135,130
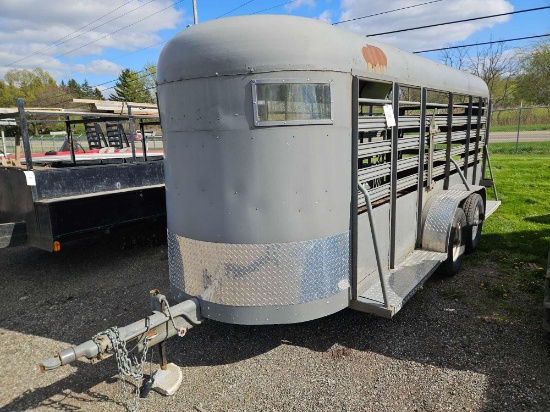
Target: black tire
x,y
455,246
474,209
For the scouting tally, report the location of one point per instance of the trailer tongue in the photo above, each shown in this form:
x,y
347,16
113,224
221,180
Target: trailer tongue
x,y
164,323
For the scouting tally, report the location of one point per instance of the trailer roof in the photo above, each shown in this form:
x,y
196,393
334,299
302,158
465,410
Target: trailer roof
x,y
271,43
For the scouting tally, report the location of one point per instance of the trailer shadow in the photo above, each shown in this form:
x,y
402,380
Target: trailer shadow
x,y
543,219
71,393
70,296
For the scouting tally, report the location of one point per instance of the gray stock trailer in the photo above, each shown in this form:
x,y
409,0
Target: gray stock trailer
x,y
308,169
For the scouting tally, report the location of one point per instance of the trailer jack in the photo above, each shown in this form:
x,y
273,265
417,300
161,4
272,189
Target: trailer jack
x,y
164,323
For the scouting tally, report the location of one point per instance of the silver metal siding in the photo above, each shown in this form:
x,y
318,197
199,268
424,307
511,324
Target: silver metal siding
x,y
258,217
405,235
366,262
229,182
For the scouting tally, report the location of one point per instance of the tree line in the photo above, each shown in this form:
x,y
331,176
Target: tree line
x,y
513,76
39,89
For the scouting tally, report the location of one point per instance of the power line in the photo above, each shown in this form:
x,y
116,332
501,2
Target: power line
x,y
127,54
236,8
107,22
274,7
458,21
385,12
64,37
107,35
144,48
110,81
481,44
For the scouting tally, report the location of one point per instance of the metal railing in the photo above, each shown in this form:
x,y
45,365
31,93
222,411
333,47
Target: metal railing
x,y
46,143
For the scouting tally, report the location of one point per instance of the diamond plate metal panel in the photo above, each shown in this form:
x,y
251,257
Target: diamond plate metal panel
x,y
175,263
439,218
403,281
260,274
491,207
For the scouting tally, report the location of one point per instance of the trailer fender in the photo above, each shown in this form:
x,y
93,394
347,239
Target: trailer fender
x,y
437,218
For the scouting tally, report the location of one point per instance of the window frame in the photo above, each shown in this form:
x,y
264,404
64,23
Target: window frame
x,y
261,123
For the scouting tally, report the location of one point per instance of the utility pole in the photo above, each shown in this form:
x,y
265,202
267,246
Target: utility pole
x,y
195,17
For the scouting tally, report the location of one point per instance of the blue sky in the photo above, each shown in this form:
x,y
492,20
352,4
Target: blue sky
x,y
104,45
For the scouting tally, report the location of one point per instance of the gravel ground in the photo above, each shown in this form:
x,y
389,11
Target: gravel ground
x,y
443,351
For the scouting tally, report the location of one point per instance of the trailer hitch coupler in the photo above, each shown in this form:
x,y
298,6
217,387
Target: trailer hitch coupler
x,y
50,364
87,349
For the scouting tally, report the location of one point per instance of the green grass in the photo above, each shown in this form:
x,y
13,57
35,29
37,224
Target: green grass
x,y
521,227
516,239
524,128
524,148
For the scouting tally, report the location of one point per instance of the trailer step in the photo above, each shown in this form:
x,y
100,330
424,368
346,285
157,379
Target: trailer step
x,y
491,207
401,283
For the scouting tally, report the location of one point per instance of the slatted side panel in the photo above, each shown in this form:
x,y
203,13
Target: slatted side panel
x,y
465,146
374,154
467,138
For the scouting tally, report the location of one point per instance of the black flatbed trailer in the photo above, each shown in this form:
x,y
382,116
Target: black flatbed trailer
x,y
46,201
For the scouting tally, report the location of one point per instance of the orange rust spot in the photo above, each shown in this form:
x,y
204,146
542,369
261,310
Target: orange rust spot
x,y
376,59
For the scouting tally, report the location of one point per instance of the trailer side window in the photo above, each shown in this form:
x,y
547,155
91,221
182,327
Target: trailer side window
x,y
285,102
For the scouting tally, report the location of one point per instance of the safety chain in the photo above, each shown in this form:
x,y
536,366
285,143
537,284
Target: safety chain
x,y
128,365
167,307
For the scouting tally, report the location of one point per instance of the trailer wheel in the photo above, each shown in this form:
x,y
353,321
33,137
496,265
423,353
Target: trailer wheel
x,y
456,246
475,214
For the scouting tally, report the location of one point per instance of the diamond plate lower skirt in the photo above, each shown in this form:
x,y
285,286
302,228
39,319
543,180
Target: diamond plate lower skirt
x,y
260,274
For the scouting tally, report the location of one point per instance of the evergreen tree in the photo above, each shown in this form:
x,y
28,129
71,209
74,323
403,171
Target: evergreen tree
x,y
97,94
131,87
74,88
86,91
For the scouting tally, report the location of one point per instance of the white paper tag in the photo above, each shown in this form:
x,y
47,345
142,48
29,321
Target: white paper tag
x,y
390,118
31,179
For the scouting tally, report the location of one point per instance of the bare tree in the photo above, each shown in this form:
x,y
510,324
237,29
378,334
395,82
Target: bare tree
x,y
456,58
496,65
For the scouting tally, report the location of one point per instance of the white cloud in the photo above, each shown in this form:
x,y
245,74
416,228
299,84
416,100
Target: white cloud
x,y
98,66
326,16
28,28
299,3
439,12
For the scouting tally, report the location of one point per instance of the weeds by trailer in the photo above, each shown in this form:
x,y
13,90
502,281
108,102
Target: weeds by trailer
x,y
307,171
49,198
